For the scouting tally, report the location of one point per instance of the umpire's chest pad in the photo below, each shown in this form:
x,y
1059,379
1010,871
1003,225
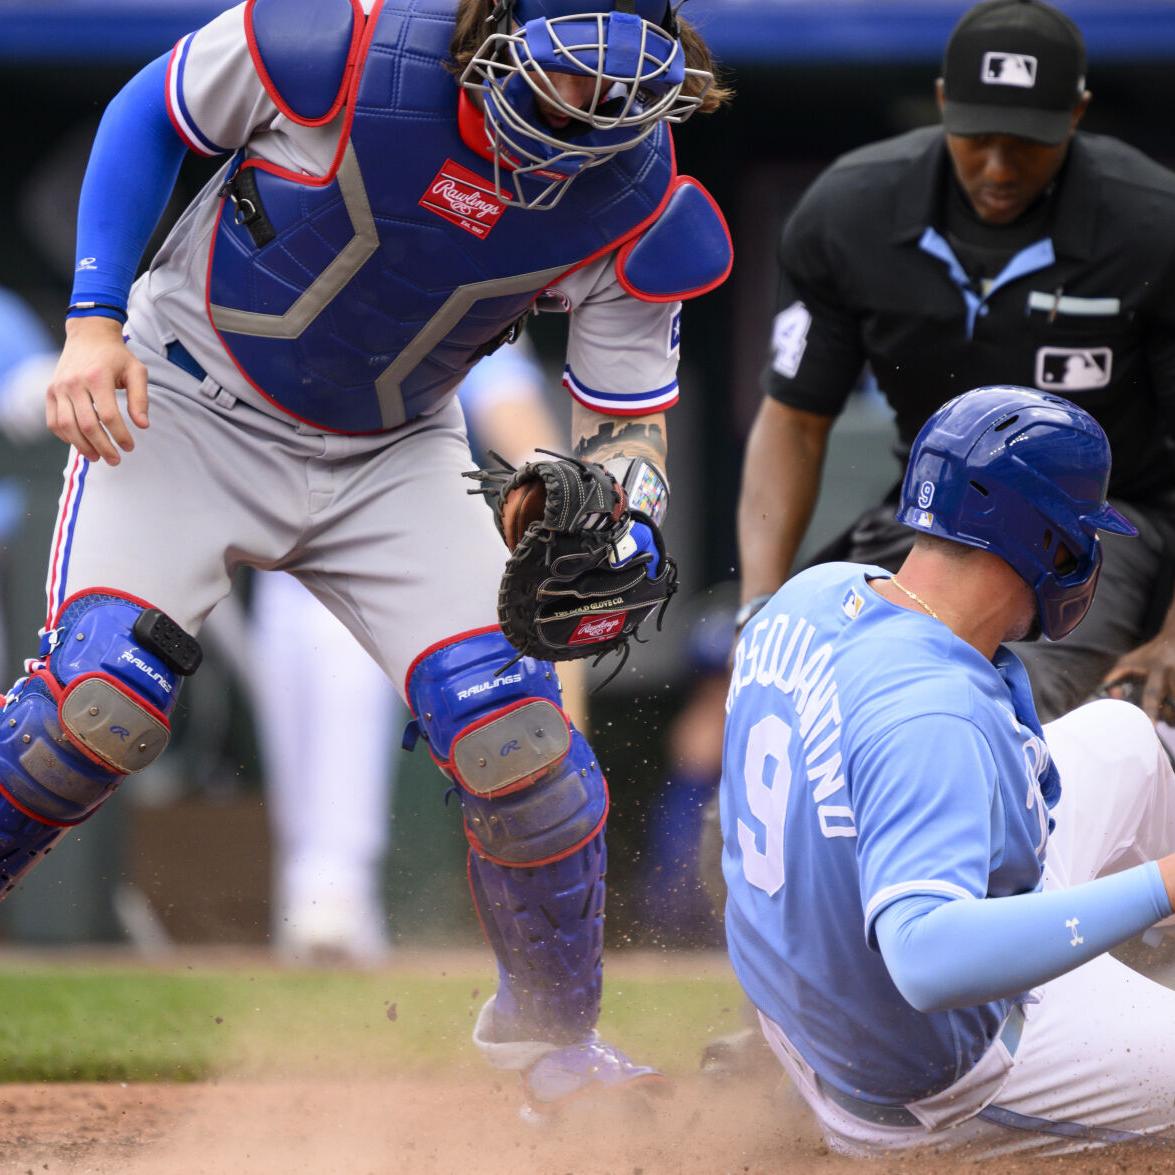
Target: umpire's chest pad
x,y
384,278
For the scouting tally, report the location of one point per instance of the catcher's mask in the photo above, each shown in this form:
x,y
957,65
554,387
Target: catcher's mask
x,y
628,49
1021,474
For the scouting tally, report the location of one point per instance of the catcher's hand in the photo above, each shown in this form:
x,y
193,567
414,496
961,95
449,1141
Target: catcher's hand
x,y
585,571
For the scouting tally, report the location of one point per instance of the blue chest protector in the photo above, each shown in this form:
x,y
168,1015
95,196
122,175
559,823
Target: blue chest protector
x,y
370,292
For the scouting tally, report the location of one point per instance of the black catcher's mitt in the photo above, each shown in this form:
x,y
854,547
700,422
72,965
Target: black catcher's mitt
x,y
585,571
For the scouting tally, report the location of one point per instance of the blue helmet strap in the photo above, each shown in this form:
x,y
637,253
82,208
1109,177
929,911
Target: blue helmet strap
x,y
502,13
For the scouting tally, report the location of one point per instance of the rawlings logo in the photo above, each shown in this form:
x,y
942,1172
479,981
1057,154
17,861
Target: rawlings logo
x,y
147,670
482,686
593,629
463,198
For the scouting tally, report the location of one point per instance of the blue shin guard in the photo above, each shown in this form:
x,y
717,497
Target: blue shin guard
x,y
94,709
546,926
534,802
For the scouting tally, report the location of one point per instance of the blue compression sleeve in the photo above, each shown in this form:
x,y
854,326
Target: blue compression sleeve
x,y
954,954
132,171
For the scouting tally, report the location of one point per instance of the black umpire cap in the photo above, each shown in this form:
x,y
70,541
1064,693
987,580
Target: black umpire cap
x,y
1013,67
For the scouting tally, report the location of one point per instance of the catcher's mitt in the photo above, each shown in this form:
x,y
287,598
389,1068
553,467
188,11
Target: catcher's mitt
x,y
585,571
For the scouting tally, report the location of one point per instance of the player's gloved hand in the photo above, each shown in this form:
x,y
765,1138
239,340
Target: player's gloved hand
x,y
81,405
636,540
585,571
1146,677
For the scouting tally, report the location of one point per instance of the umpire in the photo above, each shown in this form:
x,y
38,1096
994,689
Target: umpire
x,y
1011,249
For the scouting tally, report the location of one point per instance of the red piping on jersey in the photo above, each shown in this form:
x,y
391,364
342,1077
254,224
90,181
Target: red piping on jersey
x,y
625,252
646,411
175,122
68,504
357,33
436,646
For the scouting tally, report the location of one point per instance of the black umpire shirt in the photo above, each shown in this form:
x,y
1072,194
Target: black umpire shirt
x,y
1080,302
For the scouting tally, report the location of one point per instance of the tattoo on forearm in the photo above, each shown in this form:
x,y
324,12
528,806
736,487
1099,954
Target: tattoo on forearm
x,y
624,440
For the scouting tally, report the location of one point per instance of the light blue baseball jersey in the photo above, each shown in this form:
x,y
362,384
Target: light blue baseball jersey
x,y
869,755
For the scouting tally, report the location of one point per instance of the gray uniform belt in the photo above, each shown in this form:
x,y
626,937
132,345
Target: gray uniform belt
x,y
882,1115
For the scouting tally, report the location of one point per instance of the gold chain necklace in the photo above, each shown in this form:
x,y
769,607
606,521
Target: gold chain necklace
x,y
916,598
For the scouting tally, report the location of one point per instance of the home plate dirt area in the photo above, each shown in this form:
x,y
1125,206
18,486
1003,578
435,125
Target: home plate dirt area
x,y
459,1118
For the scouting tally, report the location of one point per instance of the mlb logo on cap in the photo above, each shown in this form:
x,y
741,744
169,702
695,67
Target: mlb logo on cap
x,y
1013,67
1008,69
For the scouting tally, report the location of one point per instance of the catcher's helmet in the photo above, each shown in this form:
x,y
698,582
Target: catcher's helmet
x,y
1021,474
630,48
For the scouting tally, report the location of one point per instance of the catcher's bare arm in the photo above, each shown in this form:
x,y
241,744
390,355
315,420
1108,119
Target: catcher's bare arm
x,y
606,438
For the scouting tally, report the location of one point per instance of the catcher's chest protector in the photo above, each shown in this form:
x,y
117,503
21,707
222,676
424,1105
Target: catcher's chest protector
x,y
359,300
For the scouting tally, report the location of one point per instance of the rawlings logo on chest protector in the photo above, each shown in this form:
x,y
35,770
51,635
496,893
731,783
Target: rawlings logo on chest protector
x,y
465,199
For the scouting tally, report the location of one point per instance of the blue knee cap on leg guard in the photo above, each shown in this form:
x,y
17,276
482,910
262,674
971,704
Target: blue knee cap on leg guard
x,y
93,710
534,801
531,788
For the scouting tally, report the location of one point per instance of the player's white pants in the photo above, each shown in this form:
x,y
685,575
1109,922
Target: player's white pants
x,y
329,766
1097,1052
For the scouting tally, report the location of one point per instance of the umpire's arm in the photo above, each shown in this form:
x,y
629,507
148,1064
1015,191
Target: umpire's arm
x,y
1153,663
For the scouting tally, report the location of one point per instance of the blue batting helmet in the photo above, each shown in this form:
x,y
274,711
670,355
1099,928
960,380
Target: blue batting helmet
x,y
629,49
1022,474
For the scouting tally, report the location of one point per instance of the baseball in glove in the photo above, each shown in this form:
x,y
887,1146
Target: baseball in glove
x,y
585,570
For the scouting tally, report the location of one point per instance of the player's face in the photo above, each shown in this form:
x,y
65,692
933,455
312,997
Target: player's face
x,y
577,90
1003,175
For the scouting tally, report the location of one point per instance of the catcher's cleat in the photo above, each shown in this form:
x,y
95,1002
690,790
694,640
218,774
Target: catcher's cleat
x,y
584,1072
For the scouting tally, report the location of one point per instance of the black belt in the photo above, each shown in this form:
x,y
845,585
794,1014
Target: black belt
x,y
883,1115
178,354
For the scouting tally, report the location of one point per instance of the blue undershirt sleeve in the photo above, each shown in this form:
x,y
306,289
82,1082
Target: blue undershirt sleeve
x,y
132,170
943,953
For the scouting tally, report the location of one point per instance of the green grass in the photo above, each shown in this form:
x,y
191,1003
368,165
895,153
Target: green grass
x,y
114,1024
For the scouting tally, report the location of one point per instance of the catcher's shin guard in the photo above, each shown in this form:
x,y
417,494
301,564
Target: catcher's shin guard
x,y
534,802
93,709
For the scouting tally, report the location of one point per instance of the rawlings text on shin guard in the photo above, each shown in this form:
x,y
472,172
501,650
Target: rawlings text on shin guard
x,y
534,802
92,710
491,731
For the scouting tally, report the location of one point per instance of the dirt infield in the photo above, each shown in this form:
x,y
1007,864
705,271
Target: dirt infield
x,y
435,1127
459,1120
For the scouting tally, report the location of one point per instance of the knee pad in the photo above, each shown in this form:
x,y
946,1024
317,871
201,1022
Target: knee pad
x,y
94,708
531,789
